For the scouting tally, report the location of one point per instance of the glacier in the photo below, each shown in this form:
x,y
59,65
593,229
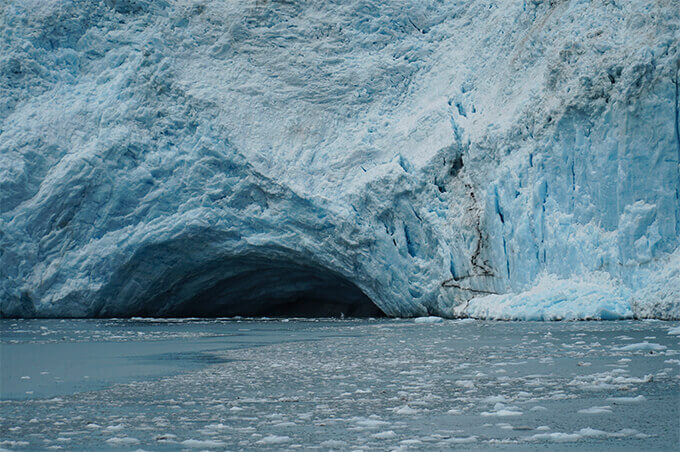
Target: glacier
x,y
510,159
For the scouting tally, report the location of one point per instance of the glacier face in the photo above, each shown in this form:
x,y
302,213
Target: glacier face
x,y
499,159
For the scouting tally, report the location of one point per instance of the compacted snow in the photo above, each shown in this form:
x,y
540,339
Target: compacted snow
x,y
500,159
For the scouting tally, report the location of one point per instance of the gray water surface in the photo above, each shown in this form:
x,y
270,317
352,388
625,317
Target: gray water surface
x,y
332,384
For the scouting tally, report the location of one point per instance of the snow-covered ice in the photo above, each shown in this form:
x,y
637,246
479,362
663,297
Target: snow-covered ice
x,y
497,159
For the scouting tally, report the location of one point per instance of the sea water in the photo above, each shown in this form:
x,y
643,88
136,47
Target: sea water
x,y
338,384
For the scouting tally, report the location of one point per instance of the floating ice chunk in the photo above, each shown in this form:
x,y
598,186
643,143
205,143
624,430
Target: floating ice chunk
x,y
556,437
587,432
332,443
596,410
430,319
502,413
495,399
462,440
674,331
389,434
641,347
469,384
122,441
218,426
636,399
627,432
607,380
202,443
10,443
406,410
284,424
371,423
591,432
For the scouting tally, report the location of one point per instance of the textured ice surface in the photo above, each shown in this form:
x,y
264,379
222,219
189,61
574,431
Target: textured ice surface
x,y
179,157
557,299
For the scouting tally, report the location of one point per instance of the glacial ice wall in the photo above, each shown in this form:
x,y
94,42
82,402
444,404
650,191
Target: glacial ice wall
x,y
499,158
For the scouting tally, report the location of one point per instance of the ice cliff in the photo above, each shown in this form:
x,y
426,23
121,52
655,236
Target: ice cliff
x,y
495,158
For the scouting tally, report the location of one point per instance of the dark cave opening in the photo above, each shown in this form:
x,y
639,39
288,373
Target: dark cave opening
x,y
256,287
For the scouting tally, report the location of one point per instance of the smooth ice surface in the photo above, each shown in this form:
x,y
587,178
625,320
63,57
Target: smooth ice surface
x,y
496,159
347,385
